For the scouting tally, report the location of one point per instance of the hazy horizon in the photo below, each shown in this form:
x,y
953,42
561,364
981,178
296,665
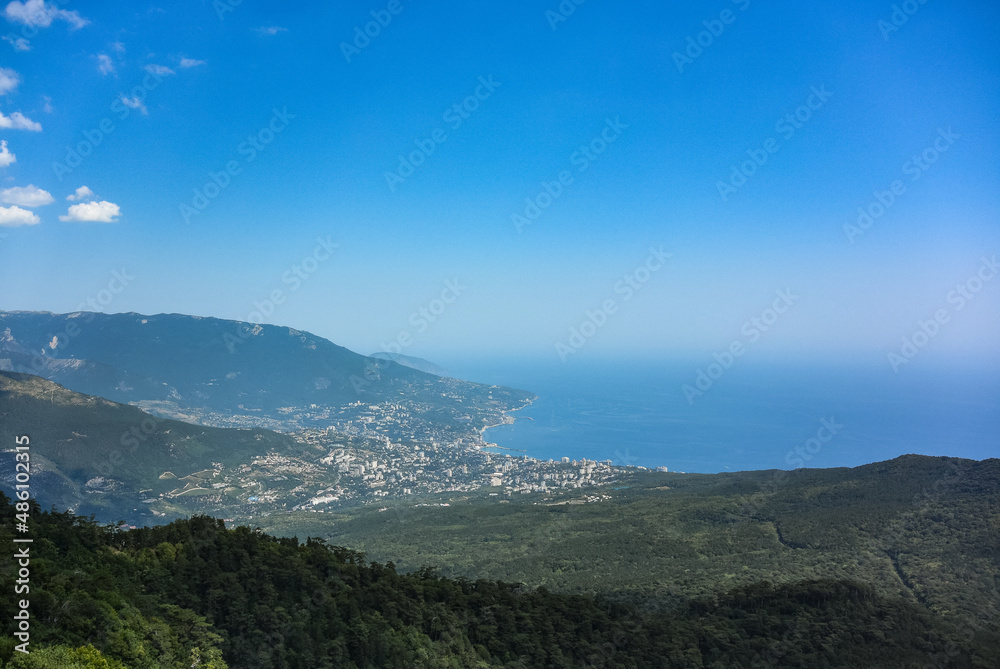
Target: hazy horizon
x,y
238,153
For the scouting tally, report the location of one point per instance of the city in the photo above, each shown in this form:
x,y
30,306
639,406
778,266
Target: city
x,y
354,461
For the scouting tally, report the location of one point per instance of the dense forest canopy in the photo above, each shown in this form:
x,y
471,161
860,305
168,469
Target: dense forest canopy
x,y
195,594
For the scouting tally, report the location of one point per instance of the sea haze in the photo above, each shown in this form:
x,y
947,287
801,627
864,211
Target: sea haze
x,y
753,417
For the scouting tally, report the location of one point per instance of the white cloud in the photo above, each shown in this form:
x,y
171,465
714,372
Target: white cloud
x,y
104,64
6,157
26,196
11,217
159,70
41,14
82,193
270,30
18,43
48,104
134,103
18,121
118,47
191,62
93,212
8,80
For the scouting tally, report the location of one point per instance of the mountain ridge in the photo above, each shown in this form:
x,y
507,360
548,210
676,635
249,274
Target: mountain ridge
x,y
271,376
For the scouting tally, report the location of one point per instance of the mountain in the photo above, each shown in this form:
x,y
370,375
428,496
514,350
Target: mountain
x,y
229,373
924,529
118,462
882,565
412,362
99,457
194,594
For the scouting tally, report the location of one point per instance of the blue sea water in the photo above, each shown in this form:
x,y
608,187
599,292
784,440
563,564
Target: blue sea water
x,y
753,417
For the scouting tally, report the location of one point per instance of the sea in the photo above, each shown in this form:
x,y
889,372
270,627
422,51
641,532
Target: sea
x,y
750,416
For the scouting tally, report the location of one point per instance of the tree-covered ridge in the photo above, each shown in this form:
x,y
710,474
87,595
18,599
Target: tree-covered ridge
x,y
917,527
194,594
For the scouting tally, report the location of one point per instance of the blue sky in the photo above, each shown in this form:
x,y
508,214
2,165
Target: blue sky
x,y
302,131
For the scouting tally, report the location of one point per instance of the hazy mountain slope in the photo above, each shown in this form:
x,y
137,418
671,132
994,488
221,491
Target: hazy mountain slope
x,y
412,362
229,367
219,363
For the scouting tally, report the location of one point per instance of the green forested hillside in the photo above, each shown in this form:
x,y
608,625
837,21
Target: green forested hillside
x,y
100,457
923,529
193,594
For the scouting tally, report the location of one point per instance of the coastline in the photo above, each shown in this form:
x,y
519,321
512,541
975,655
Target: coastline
x,y
506,419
